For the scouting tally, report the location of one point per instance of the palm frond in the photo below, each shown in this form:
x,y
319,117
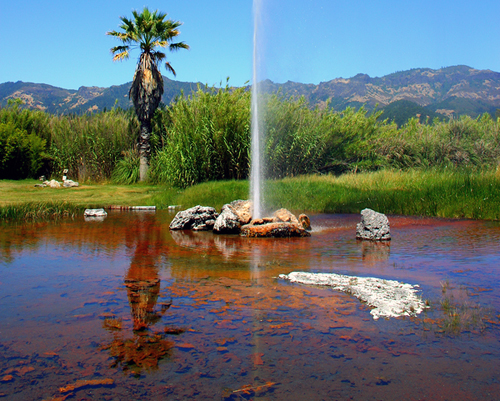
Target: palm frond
x,y
176,46
170,68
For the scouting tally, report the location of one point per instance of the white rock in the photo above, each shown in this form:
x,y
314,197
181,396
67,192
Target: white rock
x,y
70,183
389,298
53,184
95,213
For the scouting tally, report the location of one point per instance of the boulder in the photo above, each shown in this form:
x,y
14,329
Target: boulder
x,y
233,215
374,226
276,230
282,224
285,216
305,222
95,215
200,218
243,209
228,221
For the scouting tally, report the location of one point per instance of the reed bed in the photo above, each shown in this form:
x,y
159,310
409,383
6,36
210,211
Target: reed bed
x,y
35,211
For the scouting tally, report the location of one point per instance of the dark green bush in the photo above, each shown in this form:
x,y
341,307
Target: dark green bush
x,y
22,155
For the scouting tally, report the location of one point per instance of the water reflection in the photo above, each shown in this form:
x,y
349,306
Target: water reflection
x,y
141,346
209,316
375,251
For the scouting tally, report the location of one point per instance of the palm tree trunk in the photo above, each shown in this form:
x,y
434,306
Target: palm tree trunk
x,y
144,149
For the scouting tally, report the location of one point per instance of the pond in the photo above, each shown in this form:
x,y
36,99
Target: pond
x,y
125,309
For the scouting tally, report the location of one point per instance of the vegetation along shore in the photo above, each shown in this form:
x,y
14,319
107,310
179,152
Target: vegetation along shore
x,y
319,160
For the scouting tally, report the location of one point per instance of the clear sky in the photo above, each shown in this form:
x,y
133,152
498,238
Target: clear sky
x,y
64,43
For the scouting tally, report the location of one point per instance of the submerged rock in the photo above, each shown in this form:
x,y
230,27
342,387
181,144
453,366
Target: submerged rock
x,y
200,218
233,215
388,298
374,226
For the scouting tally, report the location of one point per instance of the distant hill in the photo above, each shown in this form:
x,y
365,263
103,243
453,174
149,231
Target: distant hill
x,y
401,111
450,91
86,99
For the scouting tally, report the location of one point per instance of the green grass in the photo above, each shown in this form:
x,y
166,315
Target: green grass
x,y
22,200
449,194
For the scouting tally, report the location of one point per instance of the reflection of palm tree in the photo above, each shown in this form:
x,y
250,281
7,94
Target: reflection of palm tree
x,y
146,347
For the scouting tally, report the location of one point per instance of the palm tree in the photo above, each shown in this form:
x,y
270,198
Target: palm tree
x,y
147,31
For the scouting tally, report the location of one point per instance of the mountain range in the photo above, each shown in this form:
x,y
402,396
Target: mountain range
x,y
423,92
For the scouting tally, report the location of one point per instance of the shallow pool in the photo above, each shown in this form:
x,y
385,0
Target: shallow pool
x,y
126,309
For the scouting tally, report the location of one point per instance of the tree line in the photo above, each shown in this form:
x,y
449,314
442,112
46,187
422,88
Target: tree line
x,y
206,136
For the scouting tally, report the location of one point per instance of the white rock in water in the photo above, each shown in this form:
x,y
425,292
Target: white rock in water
x,y
95,213
389,298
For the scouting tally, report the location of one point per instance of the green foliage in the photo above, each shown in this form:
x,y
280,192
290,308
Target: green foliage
x,y
300,140
89,146
39,211
21,154
401,111
464,143
126,170
206,136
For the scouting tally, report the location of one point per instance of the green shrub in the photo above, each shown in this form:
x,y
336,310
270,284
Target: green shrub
x,y
301,140
464,143
89,146
21,154
126,170
207,138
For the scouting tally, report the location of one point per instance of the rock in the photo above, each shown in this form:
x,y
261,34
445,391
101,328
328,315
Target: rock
x,y
276,230
70,183
200,218
374,226
305,222
233,215
282,224
228,221
243,209
53,184
95,213
284,215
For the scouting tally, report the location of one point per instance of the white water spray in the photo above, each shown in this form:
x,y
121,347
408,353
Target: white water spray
x,y
256,170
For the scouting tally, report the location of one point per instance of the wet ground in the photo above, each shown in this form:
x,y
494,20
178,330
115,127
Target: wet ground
x,y
125,309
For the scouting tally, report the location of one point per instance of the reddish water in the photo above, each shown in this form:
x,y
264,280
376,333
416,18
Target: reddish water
x,y
124,309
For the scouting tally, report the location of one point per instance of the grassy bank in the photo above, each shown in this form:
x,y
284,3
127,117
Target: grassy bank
x,y
451,194
22,200
412,193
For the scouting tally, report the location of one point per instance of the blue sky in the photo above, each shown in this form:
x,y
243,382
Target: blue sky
x,y
63,43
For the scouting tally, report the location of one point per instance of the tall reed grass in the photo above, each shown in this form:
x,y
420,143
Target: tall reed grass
x,y
207,138
89,146
31,211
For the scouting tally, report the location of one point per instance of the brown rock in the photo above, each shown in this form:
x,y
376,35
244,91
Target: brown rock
x,y
285,216
276,230
242,209
305,222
